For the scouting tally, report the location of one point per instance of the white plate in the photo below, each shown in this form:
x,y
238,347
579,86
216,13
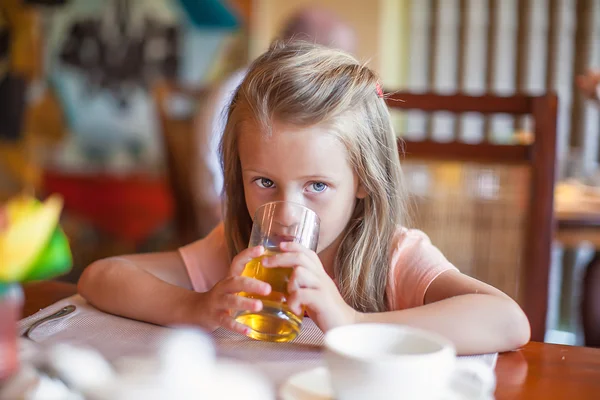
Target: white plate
x,y
313,384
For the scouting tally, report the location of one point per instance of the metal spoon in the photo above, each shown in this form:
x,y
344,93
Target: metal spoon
x,y
59,314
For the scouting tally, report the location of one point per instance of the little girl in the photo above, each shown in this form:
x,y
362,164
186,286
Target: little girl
x,y
309,125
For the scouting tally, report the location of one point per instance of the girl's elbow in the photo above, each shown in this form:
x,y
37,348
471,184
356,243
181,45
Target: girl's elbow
x,y
519,330
90,277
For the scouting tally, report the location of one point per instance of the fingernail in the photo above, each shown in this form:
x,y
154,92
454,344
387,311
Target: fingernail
x,y
284,245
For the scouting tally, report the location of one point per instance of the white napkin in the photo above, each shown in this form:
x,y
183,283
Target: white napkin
x,y
115,336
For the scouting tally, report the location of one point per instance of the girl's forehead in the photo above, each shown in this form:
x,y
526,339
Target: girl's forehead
x,y
275,128
291,147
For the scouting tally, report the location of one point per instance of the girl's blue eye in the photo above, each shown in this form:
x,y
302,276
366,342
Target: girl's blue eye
x,y
264,183
318,187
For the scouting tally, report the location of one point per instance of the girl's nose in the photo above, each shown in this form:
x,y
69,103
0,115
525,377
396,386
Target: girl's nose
x,y
287,215
291,195
293,222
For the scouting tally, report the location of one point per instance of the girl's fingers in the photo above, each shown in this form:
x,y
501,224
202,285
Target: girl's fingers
x,y
297,247
239,303
244,257
289,260
246,284
303,278
303,297
227,322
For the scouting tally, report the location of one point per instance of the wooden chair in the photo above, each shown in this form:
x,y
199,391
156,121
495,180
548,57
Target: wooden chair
x,y
488,207
178,141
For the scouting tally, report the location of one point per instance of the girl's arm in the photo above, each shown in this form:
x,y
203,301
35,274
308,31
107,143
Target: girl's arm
x,y
147,287
156,288
476,317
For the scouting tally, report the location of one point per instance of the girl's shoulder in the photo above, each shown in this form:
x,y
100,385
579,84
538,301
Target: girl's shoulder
x,y
413,248
406,238
206,260
414,263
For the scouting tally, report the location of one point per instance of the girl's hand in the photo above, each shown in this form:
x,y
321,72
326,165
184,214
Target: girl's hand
x,y
310,286
223,298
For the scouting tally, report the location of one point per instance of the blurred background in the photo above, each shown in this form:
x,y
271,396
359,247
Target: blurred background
x,y
115,104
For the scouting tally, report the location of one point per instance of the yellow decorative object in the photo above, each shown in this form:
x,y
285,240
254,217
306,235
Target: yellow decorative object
x,y
19,207
33,246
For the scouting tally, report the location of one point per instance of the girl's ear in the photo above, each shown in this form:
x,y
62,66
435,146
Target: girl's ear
x,y
361,192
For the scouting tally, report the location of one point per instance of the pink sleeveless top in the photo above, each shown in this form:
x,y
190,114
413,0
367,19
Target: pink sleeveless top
x,y
415,263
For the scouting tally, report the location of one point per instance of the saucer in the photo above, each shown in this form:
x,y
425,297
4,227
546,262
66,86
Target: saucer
x,y
313,384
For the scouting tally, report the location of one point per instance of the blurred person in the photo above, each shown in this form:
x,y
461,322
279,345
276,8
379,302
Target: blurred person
x,y
311,24
589,84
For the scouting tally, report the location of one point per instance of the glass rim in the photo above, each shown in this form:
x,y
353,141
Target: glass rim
x,y
292,203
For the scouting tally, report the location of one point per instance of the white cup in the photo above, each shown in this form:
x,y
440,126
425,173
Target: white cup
x,y
386,361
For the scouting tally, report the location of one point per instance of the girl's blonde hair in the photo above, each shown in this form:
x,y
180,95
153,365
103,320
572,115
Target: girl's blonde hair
x,y
305,84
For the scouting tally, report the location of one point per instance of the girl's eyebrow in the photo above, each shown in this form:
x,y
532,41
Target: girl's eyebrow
x,y
253,171
311,177
317,177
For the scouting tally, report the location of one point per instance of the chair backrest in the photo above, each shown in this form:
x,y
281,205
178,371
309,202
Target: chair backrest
x,y
178,140
489,207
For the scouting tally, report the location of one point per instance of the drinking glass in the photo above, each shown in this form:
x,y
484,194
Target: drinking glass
x,y
273,224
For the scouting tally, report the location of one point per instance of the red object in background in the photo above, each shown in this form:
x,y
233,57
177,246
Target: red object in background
x,y
130,207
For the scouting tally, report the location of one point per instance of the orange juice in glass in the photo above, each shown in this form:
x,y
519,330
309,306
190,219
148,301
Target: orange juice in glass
x,y
273,224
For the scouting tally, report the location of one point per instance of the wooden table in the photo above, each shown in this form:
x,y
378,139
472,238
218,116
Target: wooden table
x,y
538,371
575,228
42,294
